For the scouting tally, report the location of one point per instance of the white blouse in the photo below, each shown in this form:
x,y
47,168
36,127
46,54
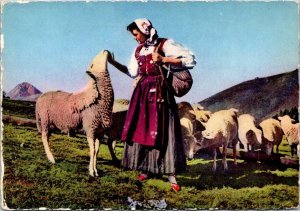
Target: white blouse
x,y
170,49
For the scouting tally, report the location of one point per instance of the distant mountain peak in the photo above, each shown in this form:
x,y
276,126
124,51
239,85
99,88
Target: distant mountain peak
x,y
23,91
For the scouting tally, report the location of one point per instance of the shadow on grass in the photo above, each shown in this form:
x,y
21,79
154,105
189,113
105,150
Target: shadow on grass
x,y
245,174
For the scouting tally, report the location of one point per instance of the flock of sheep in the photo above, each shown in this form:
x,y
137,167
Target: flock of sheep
x,y
226,127
92,110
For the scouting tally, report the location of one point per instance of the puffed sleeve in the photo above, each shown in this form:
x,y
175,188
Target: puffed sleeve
x,y
133,66
173,49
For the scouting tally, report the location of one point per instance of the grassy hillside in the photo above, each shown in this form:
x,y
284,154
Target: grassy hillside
x,y
261,97
24,109
30,181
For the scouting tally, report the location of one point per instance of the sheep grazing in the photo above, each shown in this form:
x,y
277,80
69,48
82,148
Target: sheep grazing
x,y
221,130
248,133
187,121
90,110
272,135
291,131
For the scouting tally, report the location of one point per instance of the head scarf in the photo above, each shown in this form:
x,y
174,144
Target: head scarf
x,y
145,26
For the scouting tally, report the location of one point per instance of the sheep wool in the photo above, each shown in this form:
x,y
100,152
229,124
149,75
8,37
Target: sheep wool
x,y
248,133
272,135
221,129
291,131
90,110
202,115
187,122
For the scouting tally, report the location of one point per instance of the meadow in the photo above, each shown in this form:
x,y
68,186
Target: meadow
x,y
31,181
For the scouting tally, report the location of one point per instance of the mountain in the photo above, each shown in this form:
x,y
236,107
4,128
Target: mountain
x,y
261,97
24,91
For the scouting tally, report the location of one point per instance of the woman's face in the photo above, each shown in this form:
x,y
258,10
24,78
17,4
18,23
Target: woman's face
x,y
138,36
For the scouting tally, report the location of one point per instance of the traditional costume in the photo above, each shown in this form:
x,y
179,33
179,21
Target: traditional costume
x,y
152,133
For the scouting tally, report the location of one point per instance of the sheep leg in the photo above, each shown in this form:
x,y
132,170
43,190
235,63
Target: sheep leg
x,y
97,145
277,149
111,146
92,155
215,160
292,149
234,148
234,155
224,161
45,139
248,148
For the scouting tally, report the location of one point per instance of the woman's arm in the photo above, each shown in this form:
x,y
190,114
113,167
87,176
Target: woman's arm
x,y
119,66
176,56
156,57
116,64
127,70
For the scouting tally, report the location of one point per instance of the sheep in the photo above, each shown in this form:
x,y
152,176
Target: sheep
x,y
272,135
90,109
19,121
221,129
201,114
187,121
291,131
248,133
115,131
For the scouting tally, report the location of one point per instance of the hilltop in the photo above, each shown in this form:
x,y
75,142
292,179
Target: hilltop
x,y
261,97
24,91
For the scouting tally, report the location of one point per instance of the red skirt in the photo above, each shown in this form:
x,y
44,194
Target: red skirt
x,y
145,120
152,130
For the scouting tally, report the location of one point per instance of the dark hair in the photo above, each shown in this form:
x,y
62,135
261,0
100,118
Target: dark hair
x,y
132,27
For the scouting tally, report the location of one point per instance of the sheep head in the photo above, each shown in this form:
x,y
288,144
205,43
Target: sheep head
x,y
286,119
202,115
99,64
186,110
189,147
267,146
254,135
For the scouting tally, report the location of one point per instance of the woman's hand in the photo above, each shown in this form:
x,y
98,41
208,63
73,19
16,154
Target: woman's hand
x,y
156,57
110,57
112,61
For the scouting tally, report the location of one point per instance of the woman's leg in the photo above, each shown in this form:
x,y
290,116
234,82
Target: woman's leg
x,y
143,176
174,185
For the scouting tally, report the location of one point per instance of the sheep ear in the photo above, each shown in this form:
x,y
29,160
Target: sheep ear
x,y
91,74
204,124
280,118
179,106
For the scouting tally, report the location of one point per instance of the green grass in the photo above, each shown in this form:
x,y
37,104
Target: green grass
x,y
19,108
284,147
30,181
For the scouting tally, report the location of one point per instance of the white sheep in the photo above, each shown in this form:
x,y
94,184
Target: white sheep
x,y
187,121
202,115
221,129
90,110
291,131
272,135
248,133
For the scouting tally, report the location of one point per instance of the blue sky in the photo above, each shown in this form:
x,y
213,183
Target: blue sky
x,y
51,44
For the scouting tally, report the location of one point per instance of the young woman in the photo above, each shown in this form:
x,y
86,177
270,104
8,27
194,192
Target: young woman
x,y
152,135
